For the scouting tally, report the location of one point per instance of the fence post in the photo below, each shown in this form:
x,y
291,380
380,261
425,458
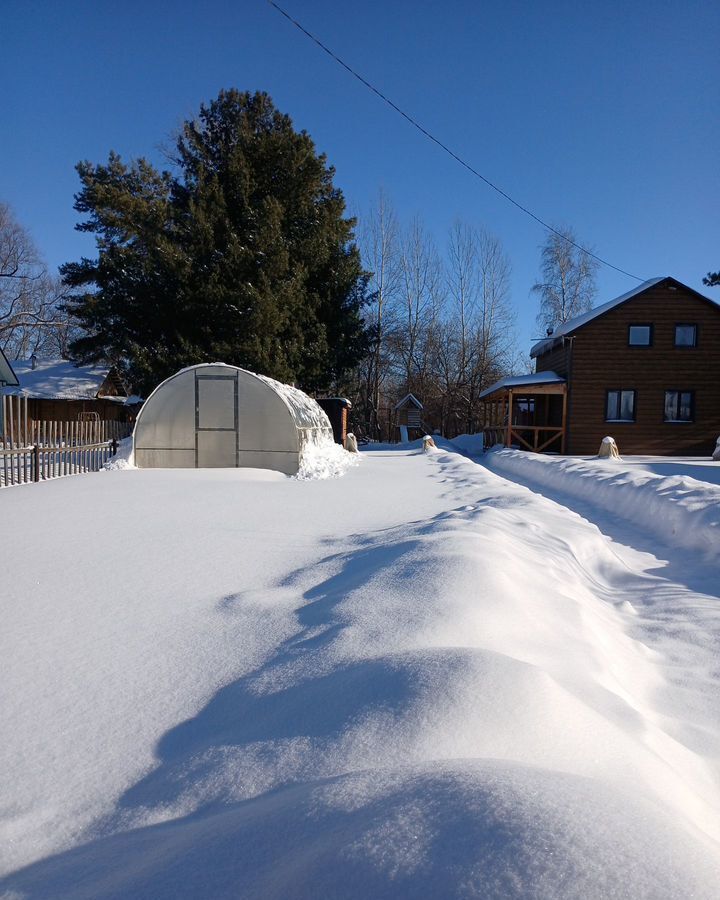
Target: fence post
x,y
114,446
36,462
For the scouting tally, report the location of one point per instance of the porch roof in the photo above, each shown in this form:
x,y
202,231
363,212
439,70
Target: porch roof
x,y
544,382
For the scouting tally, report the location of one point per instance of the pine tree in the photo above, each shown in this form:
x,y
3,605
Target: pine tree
x,y
242,254
712,279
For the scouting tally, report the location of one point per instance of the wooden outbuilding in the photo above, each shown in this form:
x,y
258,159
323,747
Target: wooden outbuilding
x,y
408,418
337,409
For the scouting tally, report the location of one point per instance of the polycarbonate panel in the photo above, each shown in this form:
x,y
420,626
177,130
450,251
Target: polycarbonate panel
x,y
216,403
167,419
280,462
265,421
216,450
165,459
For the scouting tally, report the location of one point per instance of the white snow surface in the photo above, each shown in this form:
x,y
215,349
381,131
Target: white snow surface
x,y
680,508
420,679
124,458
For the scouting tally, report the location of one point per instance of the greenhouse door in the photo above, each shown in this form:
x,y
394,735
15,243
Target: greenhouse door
x,y
216,421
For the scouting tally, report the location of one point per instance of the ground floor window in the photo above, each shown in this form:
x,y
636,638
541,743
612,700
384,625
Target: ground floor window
x,y
620,406
679,406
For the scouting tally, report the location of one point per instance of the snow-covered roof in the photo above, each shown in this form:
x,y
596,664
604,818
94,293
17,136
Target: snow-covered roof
x,y
408,397
7,375
578,321
532,378
59,379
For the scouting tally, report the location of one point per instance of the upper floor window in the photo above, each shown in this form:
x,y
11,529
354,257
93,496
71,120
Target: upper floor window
x,y
685,335
620,406
679,406
640,335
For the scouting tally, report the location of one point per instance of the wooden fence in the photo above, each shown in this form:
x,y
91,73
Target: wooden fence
x,y
32,451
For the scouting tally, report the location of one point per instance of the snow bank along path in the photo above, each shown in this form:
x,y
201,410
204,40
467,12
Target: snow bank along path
x,y
679,509
416,680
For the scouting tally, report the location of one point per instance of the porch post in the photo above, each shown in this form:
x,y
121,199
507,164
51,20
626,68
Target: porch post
x,y
564,420
509,418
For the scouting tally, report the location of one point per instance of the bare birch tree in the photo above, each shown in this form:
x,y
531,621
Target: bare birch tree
x,y
567,288
421,298
478,334
381,251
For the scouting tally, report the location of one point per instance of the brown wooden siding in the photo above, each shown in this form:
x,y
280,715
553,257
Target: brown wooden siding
x,y
602,361
70,410
555,360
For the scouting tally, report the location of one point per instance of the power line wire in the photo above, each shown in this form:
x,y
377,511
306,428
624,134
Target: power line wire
x,y
443,146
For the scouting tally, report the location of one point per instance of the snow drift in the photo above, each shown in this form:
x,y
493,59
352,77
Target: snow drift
x,y
417,680
680,510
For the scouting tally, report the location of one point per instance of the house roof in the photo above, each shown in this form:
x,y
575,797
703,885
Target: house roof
x,y
408,398
7,375
578,321
513,381
59,379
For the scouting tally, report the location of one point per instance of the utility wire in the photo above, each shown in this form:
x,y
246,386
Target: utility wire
x,y
443,146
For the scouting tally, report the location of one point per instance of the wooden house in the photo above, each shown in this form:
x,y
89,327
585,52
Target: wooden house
x,y
60,391
642,367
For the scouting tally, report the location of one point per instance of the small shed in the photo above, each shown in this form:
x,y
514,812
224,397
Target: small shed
x,y
408,412
337,409
219,416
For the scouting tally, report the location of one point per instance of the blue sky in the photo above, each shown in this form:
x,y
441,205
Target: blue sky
x,y
600,116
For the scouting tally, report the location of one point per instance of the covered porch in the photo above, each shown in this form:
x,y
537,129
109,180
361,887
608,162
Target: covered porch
x,y
528,411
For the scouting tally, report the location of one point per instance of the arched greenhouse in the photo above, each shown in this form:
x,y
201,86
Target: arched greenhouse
x,y
220,416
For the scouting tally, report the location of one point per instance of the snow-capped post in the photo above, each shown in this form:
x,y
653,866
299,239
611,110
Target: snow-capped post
x,y
716,454
608,449
428,444
351,442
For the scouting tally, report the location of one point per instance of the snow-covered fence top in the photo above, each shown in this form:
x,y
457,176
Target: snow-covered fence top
x,y
680,510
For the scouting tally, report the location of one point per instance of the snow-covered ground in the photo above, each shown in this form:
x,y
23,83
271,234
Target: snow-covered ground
x,y
419,679
676,500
